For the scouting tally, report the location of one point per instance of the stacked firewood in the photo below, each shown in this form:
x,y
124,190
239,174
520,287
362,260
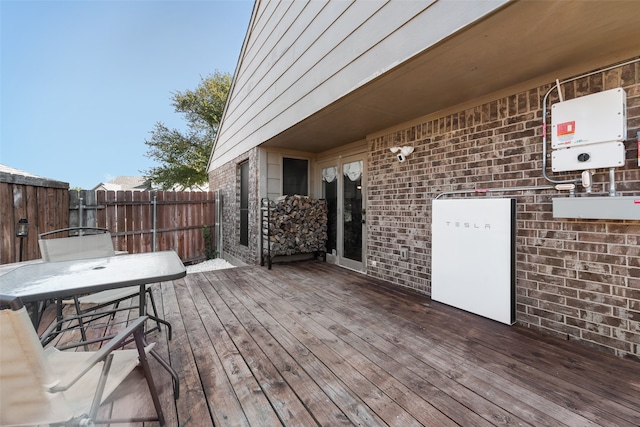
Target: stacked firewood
x,y
297,224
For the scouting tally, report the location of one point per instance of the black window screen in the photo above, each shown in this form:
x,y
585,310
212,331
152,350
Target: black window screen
x,y
244,204
294,177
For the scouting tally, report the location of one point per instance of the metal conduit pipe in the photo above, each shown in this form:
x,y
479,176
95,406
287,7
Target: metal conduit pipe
x,y
544,119
612,182
544,142
496,190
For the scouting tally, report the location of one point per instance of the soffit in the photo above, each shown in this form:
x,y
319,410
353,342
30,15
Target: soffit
x,y
519,43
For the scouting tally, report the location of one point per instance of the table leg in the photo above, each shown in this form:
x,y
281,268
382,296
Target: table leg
x,y
143,304
35,313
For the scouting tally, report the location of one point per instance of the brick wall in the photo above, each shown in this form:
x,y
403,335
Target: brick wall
x,y
227,179
577,279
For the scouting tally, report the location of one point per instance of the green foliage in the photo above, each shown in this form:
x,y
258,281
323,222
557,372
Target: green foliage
x,y
209,246
183,156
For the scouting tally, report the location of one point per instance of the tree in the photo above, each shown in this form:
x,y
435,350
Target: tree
x,y
183,156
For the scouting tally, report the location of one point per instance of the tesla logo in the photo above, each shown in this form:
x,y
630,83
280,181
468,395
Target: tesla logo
x,y
458,224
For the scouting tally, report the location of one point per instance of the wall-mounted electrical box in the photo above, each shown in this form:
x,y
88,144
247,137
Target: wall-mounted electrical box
x,y
590,119
621,207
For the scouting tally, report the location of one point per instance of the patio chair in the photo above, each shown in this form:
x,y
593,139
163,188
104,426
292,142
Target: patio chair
x,y
84,246
47,386
77,246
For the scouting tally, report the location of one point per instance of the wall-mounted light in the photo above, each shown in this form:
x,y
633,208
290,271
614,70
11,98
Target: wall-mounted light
x,y
22,231
402,152
22,228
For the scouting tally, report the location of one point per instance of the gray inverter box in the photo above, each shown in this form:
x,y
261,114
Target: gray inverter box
x,y
597,207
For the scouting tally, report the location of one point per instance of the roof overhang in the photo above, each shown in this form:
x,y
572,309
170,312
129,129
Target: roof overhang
x,y
525,43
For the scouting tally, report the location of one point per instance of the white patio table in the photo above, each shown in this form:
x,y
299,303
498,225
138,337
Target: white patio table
x,y
40,281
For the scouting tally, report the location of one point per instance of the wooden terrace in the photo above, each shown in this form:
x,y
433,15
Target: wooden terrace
x,y
309,343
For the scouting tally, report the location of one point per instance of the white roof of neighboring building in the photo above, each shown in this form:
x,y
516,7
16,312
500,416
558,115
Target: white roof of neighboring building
x,y
124,183
14,171
140,183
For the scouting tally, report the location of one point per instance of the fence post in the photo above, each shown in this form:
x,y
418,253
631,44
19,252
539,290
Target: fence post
x,y
155,205
81,215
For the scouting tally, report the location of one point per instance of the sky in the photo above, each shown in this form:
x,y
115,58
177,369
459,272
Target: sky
x,y
83,82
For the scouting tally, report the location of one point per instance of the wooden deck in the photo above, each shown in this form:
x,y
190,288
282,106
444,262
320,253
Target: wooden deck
x,y
309,343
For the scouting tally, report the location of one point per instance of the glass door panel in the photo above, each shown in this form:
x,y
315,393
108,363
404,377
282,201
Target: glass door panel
x,y
330,194
352,213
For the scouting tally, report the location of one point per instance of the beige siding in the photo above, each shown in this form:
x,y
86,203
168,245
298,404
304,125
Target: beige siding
x,y
274,175
299,57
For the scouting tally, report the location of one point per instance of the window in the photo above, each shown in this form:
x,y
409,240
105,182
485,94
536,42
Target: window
x,y
294,177
244,204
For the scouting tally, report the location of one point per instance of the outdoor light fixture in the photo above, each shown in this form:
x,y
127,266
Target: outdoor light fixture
x,y
402,152
22,230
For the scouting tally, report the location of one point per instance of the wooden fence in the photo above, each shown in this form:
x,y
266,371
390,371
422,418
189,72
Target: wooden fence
x,y
140,221
42,202
147,221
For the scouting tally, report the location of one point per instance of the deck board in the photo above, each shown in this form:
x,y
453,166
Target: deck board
x,y
309,343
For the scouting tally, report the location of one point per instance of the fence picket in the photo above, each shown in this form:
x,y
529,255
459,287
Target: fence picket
x,y
121,222
101,213
128,220
146,217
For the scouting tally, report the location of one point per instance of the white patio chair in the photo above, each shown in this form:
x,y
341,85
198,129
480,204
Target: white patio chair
x,y
39,386
84,246
95,245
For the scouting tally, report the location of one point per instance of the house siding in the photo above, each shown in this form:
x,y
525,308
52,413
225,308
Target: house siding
x,y
299,57
576,279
